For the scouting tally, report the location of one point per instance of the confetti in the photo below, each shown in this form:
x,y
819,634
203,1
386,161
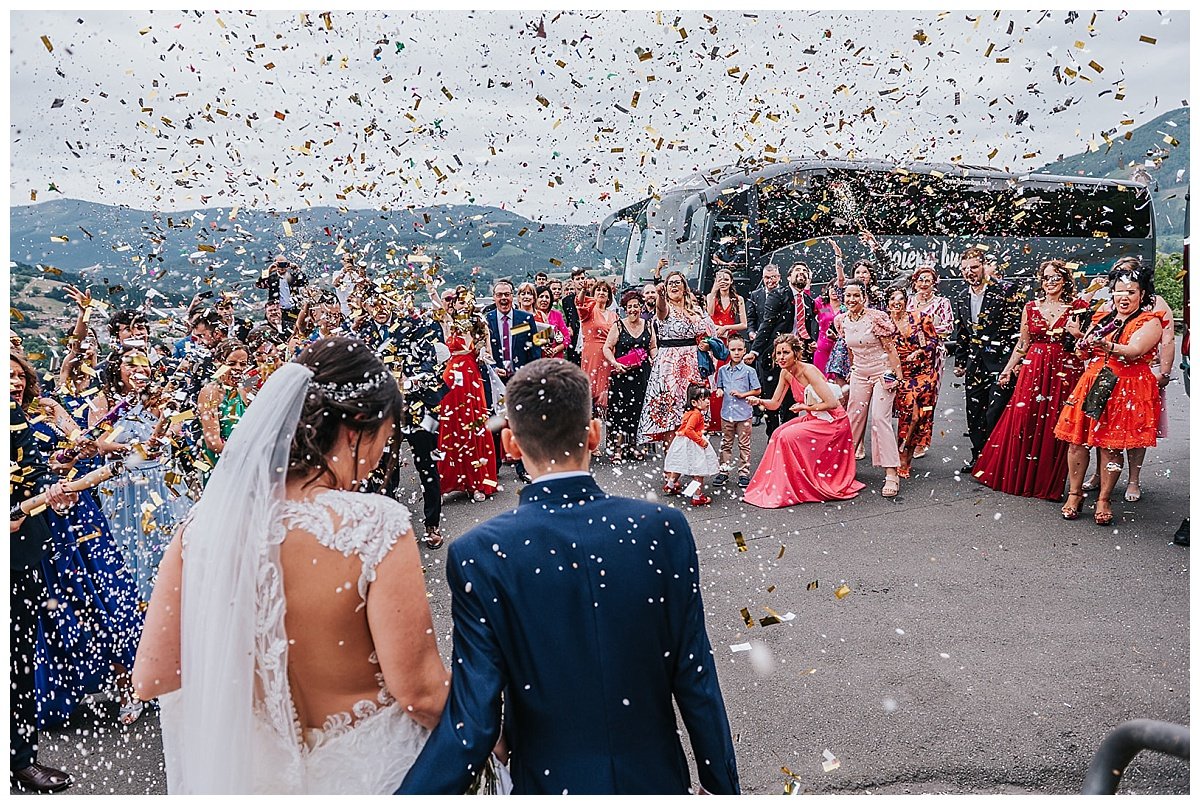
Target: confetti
x,y
842,591
740,541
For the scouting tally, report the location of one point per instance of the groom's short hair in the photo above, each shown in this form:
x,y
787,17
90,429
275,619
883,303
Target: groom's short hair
x,y
549,407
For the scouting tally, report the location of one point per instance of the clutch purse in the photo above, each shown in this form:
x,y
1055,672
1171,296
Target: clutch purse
x,y
1097,397
634,357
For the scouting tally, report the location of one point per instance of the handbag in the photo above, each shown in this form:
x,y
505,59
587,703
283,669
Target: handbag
x,y
1097,397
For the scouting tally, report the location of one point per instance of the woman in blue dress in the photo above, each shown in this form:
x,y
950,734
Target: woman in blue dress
x,y
88,631
143,506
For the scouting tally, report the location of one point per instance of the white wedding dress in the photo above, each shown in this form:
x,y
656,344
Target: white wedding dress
x,y
367,750
232,726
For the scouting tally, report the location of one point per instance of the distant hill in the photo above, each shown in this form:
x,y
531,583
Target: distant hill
x,y
123,254
1148,147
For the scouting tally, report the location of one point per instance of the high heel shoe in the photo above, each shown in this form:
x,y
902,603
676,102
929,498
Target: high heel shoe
x,y
1091,484
1070,512
1103,518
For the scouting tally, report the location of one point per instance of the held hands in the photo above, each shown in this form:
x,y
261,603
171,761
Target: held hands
x,y
1005,378
959,371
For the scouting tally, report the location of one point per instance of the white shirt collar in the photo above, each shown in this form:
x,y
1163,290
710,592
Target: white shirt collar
x,y
555,476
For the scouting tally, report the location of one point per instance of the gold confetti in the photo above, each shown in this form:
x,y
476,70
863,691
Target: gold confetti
x,y
1149,40
842,592
782,548
1095,66
46,42
747,617
740,540
812,585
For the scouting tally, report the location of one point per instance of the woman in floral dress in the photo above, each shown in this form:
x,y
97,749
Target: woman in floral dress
x,y
681,322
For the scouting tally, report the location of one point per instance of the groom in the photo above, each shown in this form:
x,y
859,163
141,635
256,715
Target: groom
x,y
584,612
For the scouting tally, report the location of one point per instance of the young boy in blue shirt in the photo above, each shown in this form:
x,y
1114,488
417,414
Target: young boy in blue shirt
x,y
735,382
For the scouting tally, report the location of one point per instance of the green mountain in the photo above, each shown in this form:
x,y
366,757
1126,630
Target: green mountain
x,y
1160,149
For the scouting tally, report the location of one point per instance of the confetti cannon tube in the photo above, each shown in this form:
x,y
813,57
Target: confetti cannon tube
x,y
37,504
67,453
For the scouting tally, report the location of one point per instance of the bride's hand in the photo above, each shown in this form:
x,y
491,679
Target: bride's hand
x,y
501,751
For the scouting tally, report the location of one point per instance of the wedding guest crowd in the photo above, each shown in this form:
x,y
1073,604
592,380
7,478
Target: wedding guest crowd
x,y
669,372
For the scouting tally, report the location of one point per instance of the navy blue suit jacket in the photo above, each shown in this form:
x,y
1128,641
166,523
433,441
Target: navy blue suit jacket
x,y
523,349
584,610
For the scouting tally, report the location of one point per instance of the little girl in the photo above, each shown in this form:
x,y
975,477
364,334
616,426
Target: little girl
x,y
690,453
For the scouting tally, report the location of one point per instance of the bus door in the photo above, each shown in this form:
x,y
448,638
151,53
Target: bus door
x,y
730,243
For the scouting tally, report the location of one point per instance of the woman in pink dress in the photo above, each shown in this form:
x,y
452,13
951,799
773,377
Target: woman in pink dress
x,y
828,305
545,313
810,458
595,319
875,373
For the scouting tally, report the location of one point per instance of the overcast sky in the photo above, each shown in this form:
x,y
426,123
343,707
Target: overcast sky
x,y
172,110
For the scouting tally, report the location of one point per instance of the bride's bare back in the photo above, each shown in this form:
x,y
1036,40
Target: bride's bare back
x,y
357,621
358,625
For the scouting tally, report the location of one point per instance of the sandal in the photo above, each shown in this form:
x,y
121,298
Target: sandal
x,y
1070,512
860,452
1103,518
672,489
433,539
1091,484
131,710
904,472
891,487
1133,493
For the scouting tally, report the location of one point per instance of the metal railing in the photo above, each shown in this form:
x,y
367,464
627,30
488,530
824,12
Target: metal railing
x,y
1124,742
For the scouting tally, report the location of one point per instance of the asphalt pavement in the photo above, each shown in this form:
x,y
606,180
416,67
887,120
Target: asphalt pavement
x,y
984,644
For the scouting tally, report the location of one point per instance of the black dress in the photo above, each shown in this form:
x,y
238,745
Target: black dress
x,y
627,389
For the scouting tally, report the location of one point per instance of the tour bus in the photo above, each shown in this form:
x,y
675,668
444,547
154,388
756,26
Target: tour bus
x,y
790,211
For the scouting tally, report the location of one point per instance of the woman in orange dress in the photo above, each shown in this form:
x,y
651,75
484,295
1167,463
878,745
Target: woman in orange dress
x,y
596,320
728,312
1127,341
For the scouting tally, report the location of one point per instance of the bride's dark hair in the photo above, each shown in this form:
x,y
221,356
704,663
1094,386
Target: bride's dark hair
x,y
350,387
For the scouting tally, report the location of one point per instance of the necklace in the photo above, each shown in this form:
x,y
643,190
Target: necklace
x,y
861,313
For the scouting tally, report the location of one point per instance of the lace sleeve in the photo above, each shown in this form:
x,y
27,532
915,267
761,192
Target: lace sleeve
x,y
368,526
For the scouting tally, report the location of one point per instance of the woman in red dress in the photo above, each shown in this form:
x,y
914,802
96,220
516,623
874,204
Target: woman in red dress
x,y
809,458
728,312
1022,457
469,460
1127,339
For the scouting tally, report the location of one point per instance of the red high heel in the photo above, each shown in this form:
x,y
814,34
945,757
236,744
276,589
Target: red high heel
x,y
701,500
1103,518
1070,512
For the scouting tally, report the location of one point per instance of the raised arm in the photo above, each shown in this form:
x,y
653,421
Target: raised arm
x,y
839,265
74,353
209,405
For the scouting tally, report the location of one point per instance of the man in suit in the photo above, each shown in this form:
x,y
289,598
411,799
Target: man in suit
x,y
512,344
780,317
756,309
29,542
583,611
283,281
988,319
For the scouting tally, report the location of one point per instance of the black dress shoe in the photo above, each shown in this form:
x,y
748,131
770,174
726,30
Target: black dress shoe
x,y
1183,535
42,779
524,477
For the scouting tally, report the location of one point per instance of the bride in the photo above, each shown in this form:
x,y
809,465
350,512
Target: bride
x,y
288,639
